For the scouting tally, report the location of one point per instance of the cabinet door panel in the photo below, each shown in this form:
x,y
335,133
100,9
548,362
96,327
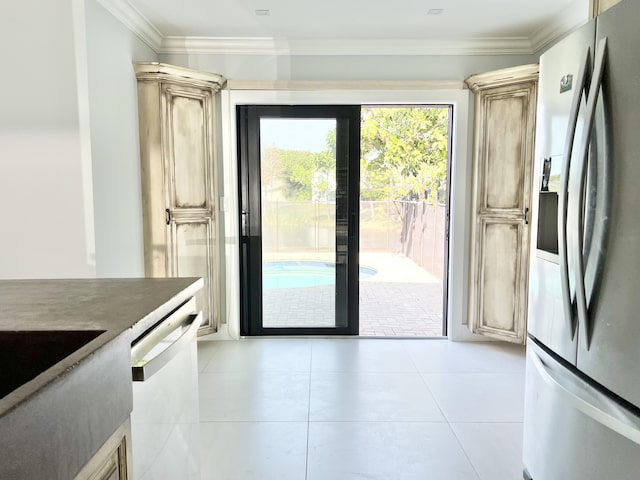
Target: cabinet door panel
x,y
192,257
499,301
113,460
505,135
189,148
499,282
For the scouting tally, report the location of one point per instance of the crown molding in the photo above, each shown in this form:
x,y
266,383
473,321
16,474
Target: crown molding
x,y
338,46
570,18
225,45
135,21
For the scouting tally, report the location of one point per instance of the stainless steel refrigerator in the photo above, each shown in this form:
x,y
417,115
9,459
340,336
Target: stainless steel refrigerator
x,y
582,407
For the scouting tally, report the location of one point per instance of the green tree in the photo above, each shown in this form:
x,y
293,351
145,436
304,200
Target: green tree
x,y
306,175
403,157
296,169
404,152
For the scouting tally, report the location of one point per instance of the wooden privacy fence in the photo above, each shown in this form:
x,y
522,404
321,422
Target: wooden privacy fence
x,y
415,229
423,235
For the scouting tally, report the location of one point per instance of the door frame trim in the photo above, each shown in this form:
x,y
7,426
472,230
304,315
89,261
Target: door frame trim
x,y
460,204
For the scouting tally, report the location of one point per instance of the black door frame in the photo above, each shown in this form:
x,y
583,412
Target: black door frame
x,y
447,228
347,215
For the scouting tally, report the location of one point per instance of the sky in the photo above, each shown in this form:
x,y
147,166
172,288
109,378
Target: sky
x,y
296,133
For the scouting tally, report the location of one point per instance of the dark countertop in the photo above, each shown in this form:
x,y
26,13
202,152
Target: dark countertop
x,y
118,306
54,423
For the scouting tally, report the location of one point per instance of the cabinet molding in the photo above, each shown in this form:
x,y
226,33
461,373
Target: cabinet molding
x,y
179,170
596,7
113,460
158,71
500,78
505,107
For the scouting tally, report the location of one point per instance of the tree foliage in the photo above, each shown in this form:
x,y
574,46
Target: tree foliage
x,y
404,152
403,157
300,174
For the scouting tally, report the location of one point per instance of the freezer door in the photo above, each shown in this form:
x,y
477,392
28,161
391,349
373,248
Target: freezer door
x,y
571,430
559,69
612,357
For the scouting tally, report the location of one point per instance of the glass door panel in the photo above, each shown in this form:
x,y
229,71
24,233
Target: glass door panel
x,y
298,197
299,183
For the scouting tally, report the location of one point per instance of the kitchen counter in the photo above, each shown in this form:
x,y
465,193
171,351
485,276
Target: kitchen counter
x,y
56,421
115,304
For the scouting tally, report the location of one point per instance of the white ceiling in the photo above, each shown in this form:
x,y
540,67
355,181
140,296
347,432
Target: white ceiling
x,y
382,21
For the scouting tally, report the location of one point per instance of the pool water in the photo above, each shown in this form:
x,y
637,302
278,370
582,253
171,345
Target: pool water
x,y
303,274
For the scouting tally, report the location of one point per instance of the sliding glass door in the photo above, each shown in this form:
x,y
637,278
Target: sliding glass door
x,y
299,188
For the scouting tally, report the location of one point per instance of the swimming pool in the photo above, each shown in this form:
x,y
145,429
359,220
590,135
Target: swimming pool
x,y
303,274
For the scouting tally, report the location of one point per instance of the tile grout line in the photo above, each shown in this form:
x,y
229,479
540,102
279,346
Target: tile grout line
x,y
449,424
455,435
453,432
206,364
426,384
435,400
413,362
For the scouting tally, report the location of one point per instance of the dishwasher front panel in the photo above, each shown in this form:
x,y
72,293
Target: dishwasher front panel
x,y
165,419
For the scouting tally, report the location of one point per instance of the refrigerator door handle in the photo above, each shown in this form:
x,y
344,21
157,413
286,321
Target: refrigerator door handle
x,y
581,172
564,191
585,398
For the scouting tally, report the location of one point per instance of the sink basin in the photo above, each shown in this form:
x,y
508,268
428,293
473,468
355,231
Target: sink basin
x,y
26,354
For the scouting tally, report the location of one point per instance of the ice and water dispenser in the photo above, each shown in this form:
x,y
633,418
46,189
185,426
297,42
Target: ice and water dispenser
x,y
548,205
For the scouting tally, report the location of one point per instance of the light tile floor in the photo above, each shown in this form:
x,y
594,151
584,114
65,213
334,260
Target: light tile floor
x,y
354,408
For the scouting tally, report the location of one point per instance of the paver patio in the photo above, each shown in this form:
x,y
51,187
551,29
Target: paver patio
x,y
402,299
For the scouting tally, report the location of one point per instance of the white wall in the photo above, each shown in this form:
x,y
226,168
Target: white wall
x,y
347,67
45,186
113,107
69,165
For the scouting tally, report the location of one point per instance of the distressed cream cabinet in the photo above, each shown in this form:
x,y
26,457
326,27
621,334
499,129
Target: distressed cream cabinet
x,y
505,108
113,460
177,119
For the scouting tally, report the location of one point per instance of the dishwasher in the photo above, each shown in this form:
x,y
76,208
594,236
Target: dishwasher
x,y
165,419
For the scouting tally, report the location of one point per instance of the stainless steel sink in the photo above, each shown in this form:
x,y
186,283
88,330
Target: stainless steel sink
x,y
26,354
